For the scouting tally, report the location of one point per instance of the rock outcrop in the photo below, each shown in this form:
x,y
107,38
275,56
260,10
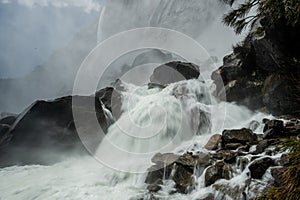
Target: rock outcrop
x,y
45,132
173,72
263,72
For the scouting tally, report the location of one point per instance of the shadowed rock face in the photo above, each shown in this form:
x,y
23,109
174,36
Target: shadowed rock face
x,y
45,132
173,72
262,74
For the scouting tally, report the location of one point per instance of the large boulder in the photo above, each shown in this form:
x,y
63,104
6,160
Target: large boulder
x,y
273,129
259,166
243,136
182,166
173,72
261,73
45,132
214,142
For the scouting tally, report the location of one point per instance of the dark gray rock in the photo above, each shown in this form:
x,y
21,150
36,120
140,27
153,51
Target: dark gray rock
x,y
253,125
156,186
111,97
259,166
214,173
233,146
242,136
45,132
208,196
182,166
273,129
173,72
214,142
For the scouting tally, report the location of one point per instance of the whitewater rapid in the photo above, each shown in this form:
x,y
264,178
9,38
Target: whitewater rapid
x,y
86,178
170,119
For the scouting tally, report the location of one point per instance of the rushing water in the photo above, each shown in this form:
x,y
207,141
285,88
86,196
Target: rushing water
x,y
154,120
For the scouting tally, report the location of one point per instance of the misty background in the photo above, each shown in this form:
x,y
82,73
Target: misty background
x,y
44,42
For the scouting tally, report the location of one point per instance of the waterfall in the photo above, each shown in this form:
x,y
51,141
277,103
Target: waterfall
x,y
178,118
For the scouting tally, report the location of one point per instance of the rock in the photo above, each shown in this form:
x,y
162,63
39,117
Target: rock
x,y
273,129
233,191
262,145
213,173
164,159
253,125
227,155
9,120
283,160
173,72
244,148
243,136
47,133
155,85
242,163
261,73
277,173
214,142
233,146
155,187
292,128
182,167
112,99
258,167
5,137
183,178
208,196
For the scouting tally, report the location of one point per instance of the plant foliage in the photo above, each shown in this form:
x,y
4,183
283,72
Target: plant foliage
x,y
290,188
275,11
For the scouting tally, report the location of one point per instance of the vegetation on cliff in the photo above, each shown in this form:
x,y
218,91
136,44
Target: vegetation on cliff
x,y
290,187
286,11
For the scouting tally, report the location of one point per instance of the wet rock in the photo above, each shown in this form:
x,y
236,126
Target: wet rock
x,y
227,172
156,186
157,172
243,136
46,131
173,72
244,148
257,73
5,137
273,129
233,146
208,196
242,163
9,120
183,178
214,173
262,145
253,125
182,167
277,174
227,155
292,128
283,160
233,191
155,85
214,142
112,98
258,167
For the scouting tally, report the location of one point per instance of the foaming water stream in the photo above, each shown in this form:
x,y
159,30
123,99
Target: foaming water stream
x,y
154,120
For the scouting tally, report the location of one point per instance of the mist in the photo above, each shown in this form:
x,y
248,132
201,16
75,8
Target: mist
x,y
45,42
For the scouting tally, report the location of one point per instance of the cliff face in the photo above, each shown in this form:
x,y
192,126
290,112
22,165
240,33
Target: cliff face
x,y
263,72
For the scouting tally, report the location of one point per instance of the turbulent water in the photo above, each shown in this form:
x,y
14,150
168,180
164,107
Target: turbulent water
x,y
174,119
155,114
